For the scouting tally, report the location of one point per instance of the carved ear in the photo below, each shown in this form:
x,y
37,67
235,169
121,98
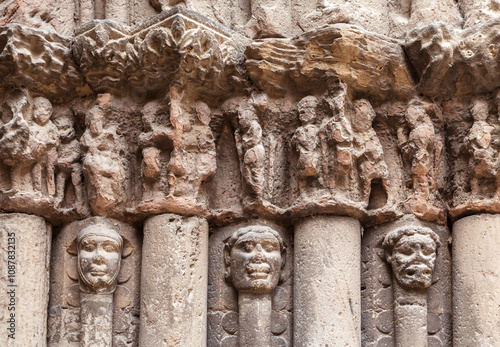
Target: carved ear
x,y
227,254
388,257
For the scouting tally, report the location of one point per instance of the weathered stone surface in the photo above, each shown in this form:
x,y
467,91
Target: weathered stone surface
x,y
455,62
370,64
25,256
475,277
174,281
39,60
327,299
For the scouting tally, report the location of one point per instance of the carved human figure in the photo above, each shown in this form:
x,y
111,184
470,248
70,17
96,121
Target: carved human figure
x,y
206,162
251,148
99,258
306,139
68,161
44,140
102,162
417,143
412,253
338,131
479,143
368,150
155,139
254,257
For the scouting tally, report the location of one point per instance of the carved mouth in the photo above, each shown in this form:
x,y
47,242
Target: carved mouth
x,y
98,272
258,271
418,271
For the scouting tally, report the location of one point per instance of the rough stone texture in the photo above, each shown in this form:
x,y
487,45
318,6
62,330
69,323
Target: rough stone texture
x,y
174,281
475,278
25,287
65,305
327,298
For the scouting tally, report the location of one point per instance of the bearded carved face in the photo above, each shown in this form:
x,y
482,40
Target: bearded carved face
x,y
255,261
99,257
412,259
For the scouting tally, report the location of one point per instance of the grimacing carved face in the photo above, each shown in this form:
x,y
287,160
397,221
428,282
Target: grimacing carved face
x,y
413,258
255,262
99,257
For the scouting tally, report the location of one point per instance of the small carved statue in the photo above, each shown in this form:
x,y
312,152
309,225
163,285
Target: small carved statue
x,y
254,257
417,143
68,162
306,139
479,143
155,138
368,149
412,253
44,140
102,162
251,148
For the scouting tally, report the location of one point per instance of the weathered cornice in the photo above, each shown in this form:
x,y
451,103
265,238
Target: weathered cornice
x,y
40,61
456,62
369,63
177,45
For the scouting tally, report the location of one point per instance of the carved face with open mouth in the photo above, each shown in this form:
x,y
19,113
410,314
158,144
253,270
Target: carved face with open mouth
x,y
413,259
255,261
99,256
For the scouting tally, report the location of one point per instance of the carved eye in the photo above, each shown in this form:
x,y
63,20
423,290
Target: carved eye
x,y
109,248
88,247
247,247
405,250
427,251
269,247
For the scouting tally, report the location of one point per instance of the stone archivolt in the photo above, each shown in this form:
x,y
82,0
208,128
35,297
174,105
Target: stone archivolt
x,y
181,117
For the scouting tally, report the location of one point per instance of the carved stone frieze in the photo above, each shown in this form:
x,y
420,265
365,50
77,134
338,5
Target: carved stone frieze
x,y
176,45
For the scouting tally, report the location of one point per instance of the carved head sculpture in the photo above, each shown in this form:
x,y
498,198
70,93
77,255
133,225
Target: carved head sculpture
x,y
479,109
412,253
93,121
364,115
99,257
65,128
307,109
42,110
254,257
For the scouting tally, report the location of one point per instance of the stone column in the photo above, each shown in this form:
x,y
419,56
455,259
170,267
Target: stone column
x,y
25,254
327,294
174,281
476,281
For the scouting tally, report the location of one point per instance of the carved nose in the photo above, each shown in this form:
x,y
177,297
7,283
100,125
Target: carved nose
x,y
259,257
98,259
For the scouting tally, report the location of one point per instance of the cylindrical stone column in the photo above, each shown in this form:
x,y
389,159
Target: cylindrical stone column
x,y
174,281
327,288
476,281
25,255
